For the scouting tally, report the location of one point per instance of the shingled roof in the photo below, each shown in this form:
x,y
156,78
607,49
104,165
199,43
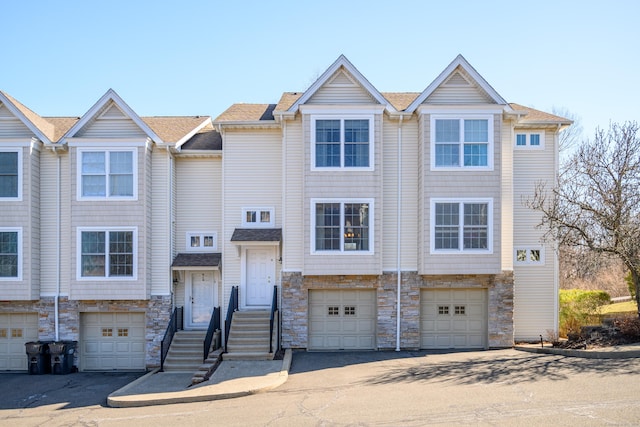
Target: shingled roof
x,y
247,112
538,117
257,235
197,260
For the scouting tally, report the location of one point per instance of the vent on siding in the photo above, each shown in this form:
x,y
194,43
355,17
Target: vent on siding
x,y
113,112
457,80
341,79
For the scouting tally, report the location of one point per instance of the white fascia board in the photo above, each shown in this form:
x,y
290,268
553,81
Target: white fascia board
x,y
342,109
111,95
16,112
342,61
460,109
458,61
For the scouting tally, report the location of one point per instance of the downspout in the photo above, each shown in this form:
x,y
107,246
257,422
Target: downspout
x,y
556,268
170,226
398,234
59,248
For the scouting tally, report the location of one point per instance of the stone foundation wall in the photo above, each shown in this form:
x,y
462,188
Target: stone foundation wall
x,y
295,302
157,313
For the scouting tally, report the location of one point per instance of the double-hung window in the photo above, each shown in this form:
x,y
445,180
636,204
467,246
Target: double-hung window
x,y
342,143
10,253
10,174
461,226
107,253
107,174
342,226
462,143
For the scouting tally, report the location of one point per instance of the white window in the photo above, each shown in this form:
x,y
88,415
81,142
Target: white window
x,y
342,226
342,142
108,253
202,241
462,142
529,256
532,140
258,217
461,225
10,253
10,174
107,174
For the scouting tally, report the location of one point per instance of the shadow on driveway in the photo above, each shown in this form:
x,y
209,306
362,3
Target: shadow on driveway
x,y
21,390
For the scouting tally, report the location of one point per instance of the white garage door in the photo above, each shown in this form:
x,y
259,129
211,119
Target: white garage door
x,y
453,318
112,341
16,329
342,320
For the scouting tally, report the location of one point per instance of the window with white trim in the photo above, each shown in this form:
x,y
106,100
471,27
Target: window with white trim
x,y
202,241
107,174
462,142
10,174
258,217
10,253
107,253
461,226
532,140
342,226
342,142
529,256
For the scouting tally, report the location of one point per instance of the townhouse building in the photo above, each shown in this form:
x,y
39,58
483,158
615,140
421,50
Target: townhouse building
x,y
381,220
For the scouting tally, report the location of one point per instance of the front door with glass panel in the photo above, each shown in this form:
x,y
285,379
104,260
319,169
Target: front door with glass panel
x,y
200,299
260,276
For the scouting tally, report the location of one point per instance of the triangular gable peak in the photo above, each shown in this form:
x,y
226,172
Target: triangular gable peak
x,y
459,83
111,117
341,83
17,121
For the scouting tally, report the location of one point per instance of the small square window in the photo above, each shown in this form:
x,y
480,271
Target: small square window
x,y
349,310
251,217
3,333
443,309
534,139
205,241
521,255
258,217
195,241
16,333
333,311
208,241
107,332
123,332
265,216
534,255
460,310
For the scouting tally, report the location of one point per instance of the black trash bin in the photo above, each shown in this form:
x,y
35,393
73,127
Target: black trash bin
x,y
38,357
62,355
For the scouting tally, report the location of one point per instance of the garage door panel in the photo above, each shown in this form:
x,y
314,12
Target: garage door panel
x,y
341,319
453,318
113,341
16,329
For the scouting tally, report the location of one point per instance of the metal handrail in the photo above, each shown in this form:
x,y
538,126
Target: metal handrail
x,y
172,328
274,309
214,325
233,307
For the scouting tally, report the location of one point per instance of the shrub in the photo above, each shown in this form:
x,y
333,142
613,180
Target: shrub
x,y
632,289
580,308
629,326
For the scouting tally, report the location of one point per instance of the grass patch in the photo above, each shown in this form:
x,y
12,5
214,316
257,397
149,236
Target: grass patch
x,y
627,307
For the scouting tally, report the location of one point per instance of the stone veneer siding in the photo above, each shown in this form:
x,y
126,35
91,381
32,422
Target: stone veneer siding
x,y
157,313
295,301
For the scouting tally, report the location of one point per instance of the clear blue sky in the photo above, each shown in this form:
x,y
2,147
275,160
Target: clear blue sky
x,y
199,57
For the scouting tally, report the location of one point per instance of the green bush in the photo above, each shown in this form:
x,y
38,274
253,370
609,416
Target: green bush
x,y
632,289
580,308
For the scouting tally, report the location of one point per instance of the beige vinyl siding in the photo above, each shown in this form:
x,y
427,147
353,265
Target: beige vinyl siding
x,y
111,124
536,293
111,213
342,186
252,164
32,197
49,222
341,89
459,185
160,233
507,197
11,126
292,239
458,90
199,198
409,219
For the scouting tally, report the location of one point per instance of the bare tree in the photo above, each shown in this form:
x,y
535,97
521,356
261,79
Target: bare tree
x,y
572,135
596,204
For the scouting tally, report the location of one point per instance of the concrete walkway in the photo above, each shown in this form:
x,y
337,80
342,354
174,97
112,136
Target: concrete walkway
x,y
241,378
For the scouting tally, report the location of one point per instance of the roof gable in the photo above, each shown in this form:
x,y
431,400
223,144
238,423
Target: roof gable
x,y
341,75
111,115
38,126
459,83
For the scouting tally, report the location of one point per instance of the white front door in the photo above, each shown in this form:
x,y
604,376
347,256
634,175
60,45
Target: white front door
x,y
200,299
260,276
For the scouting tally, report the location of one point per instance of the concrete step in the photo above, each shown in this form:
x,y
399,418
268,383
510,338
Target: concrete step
x,y
248,356
247,348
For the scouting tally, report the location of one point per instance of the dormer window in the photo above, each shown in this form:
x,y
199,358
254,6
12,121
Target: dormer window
x,y
342,143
